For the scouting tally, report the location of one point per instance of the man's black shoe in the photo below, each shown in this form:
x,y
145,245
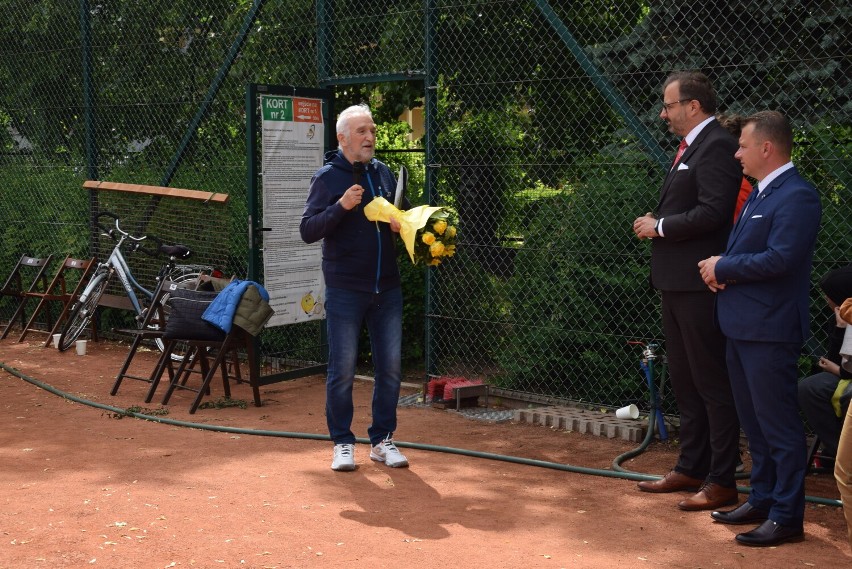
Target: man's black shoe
x,y
771,533
744,514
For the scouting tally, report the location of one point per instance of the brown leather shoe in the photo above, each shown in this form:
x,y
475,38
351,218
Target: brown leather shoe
x,y
710,497
674,481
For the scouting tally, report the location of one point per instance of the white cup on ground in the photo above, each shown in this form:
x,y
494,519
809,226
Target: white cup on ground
x,y
56,340
81,347
629,412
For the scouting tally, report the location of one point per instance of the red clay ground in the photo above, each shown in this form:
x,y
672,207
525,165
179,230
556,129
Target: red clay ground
x,y
83,488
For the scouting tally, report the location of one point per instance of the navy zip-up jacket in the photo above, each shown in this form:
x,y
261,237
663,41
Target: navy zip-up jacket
x,y
357,254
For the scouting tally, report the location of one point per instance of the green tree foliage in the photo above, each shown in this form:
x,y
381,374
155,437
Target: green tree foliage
x,y
580,288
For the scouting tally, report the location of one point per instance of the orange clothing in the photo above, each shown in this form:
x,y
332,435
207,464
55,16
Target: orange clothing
x,y
745,190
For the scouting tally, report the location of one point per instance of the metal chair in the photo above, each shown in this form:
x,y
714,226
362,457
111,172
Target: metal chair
x,y
816,460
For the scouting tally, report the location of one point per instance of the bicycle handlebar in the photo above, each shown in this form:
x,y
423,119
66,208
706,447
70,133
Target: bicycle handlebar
x,y
175,250
107,214
106,230
111,232
153,252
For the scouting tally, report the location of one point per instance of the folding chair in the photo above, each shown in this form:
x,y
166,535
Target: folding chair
x,y
816,460
196,360
198,354
150,328
236,339
18,285
51,294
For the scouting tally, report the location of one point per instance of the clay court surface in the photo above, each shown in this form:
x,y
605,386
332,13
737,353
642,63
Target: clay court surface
x,y
81,487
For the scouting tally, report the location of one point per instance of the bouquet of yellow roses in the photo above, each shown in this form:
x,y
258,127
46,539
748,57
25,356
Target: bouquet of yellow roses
x,y
429,233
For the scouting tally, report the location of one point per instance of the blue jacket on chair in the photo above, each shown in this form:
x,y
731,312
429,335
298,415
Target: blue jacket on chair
x,y
221,311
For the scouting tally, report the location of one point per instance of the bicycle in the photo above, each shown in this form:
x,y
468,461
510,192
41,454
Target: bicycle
x,y
81,312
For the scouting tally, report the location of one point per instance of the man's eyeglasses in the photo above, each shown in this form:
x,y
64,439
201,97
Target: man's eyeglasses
x,y
668,106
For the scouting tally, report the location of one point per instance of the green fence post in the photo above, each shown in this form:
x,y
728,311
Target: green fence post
x,y
89,120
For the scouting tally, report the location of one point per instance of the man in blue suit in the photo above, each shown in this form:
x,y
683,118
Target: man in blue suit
x,y
762,284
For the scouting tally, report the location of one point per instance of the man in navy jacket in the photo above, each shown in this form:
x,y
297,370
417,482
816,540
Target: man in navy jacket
x,y
363,285
762,283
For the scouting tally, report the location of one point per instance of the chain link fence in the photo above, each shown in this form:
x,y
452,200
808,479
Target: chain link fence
x,y
541,128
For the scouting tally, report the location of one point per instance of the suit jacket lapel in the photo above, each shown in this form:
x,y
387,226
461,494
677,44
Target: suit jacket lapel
x,y
747,210
755,204
685,156
699,139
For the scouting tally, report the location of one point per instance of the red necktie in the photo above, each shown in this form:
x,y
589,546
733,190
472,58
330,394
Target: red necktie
x,y
680,150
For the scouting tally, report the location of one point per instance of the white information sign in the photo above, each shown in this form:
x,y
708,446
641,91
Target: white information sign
x,y
293,137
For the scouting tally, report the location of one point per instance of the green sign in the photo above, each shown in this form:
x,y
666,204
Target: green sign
x,y
277,108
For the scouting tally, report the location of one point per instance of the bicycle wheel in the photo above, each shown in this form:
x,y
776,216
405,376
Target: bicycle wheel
x,y
161,314
82,311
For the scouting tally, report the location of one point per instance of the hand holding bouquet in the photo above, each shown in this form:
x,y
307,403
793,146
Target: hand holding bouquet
x,y
429,233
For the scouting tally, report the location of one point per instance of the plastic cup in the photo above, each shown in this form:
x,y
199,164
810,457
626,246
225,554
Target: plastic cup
x,y
56,340
629,412
81,347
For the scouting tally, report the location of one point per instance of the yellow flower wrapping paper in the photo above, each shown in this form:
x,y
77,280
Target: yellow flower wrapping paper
x,y
411,221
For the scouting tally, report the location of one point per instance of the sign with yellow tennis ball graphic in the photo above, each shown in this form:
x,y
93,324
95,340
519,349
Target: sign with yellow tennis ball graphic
x,y
308,303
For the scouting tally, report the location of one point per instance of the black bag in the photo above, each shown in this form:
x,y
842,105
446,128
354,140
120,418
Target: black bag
x,y
184,308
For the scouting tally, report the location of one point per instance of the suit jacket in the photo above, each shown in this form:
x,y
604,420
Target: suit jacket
x,y
767,265
697,201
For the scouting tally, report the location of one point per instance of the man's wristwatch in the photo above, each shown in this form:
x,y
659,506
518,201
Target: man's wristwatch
x,y
657,227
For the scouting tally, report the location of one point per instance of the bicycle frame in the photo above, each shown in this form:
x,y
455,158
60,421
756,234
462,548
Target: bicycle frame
x,y
116,264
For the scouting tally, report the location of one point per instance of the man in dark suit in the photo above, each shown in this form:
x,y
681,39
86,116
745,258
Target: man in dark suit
x,y
762,283
691,222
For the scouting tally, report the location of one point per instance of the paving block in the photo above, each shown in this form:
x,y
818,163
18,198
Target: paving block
x,y
584,421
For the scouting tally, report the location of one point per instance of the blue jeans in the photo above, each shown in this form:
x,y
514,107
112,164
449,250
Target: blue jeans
x,y
346,312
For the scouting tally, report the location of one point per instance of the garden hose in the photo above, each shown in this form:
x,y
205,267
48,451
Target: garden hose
x,y
648,368
314,436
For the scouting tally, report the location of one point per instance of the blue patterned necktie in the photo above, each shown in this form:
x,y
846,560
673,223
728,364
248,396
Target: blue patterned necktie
x,y
751,198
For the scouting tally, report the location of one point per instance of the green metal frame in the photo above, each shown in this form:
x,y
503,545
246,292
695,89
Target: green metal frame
x,y
255,222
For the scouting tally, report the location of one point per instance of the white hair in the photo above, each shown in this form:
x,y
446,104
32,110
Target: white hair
x,y
361,110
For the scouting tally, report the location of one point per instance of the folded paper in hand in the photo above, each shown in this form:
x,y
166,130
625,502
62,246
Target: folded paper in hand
x,y
846,350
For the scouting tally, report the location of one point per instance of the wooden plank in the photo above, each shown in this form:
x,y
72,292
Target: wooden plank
x,y
116,301
156,191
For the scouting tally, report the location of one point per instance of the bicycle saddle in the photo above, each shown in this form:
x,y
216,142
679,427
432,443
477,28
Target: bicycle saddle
x,y
178,251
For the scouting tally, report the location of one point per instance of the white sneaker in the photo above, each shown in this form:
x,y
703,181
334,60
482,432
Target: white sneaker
x,y
387,452
344,457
